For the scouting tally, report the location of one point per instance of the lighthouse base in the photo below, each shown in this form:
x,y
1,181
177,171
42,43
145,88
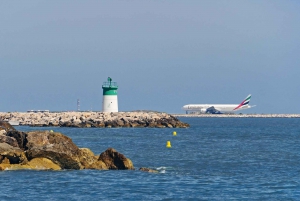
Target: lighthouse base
x,y
110,103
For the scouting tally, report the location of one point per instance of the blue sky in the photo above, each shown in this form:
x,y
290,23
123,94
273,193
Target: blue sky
x,y
163,54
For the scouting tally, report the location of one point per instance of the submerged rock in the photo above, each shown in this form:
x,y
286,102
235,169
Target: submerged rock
x,y
145,169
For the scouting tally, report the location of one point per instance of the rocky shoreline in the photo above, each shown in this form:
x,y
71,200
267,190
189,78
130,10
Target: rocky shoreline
x,y
94,119
48,150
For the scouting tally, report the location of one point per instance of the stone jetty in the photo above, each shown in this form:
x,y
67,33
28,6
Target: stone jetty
x,y
94,119
46,150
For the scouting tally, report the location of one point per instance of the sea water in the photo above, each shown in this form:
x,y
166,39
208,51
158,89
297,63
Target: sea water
x,y
214,159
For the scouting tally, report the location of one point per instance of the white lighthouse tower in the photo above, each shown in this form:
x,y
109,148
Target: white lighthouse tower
x,y
110,97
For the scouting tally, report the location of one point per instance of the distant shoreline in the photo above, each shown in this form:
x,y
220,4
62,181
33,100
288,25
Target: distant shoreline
x,y
239,115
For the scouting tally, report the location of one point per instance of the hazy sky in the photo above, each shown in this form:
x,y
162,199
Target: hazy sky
x,y
163,54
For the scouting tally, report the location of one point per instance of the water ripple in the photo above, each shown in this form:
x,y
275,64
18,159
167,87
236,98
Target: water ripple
x,y
215,159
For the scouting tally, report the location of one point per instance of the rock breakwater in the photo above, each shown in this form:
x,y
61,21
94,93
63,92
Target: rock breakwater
x,y
95,119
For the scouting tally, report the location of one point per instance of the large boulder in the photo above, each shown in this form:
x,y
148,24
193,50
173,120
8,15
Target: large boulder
x,y
55,146
45,150
115,160
90,161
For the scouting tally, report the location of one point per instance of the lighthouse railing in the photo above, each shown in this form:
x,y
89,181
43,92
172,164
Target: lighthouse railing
x,y
109,84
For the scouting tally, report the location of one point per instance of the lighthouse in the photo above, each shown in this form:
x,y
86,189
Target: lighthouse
x,y
110,97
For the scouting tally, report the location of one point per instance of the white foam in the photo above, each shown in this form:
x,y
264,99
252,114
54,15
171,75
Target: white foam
x,y
161,168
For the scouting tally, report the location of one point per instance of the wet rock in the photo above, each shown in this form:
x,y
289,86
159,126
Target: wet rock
x,y
145,169
34,164
160,126
90,161
42,164
115,160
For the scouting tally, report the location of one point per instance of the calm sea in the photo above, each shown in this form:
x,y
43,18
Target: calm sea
x,y
214,159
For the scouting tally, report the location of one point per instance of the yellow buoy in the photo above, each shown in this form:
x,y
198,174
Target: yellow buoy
x,y
168,144
174,133
51,131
